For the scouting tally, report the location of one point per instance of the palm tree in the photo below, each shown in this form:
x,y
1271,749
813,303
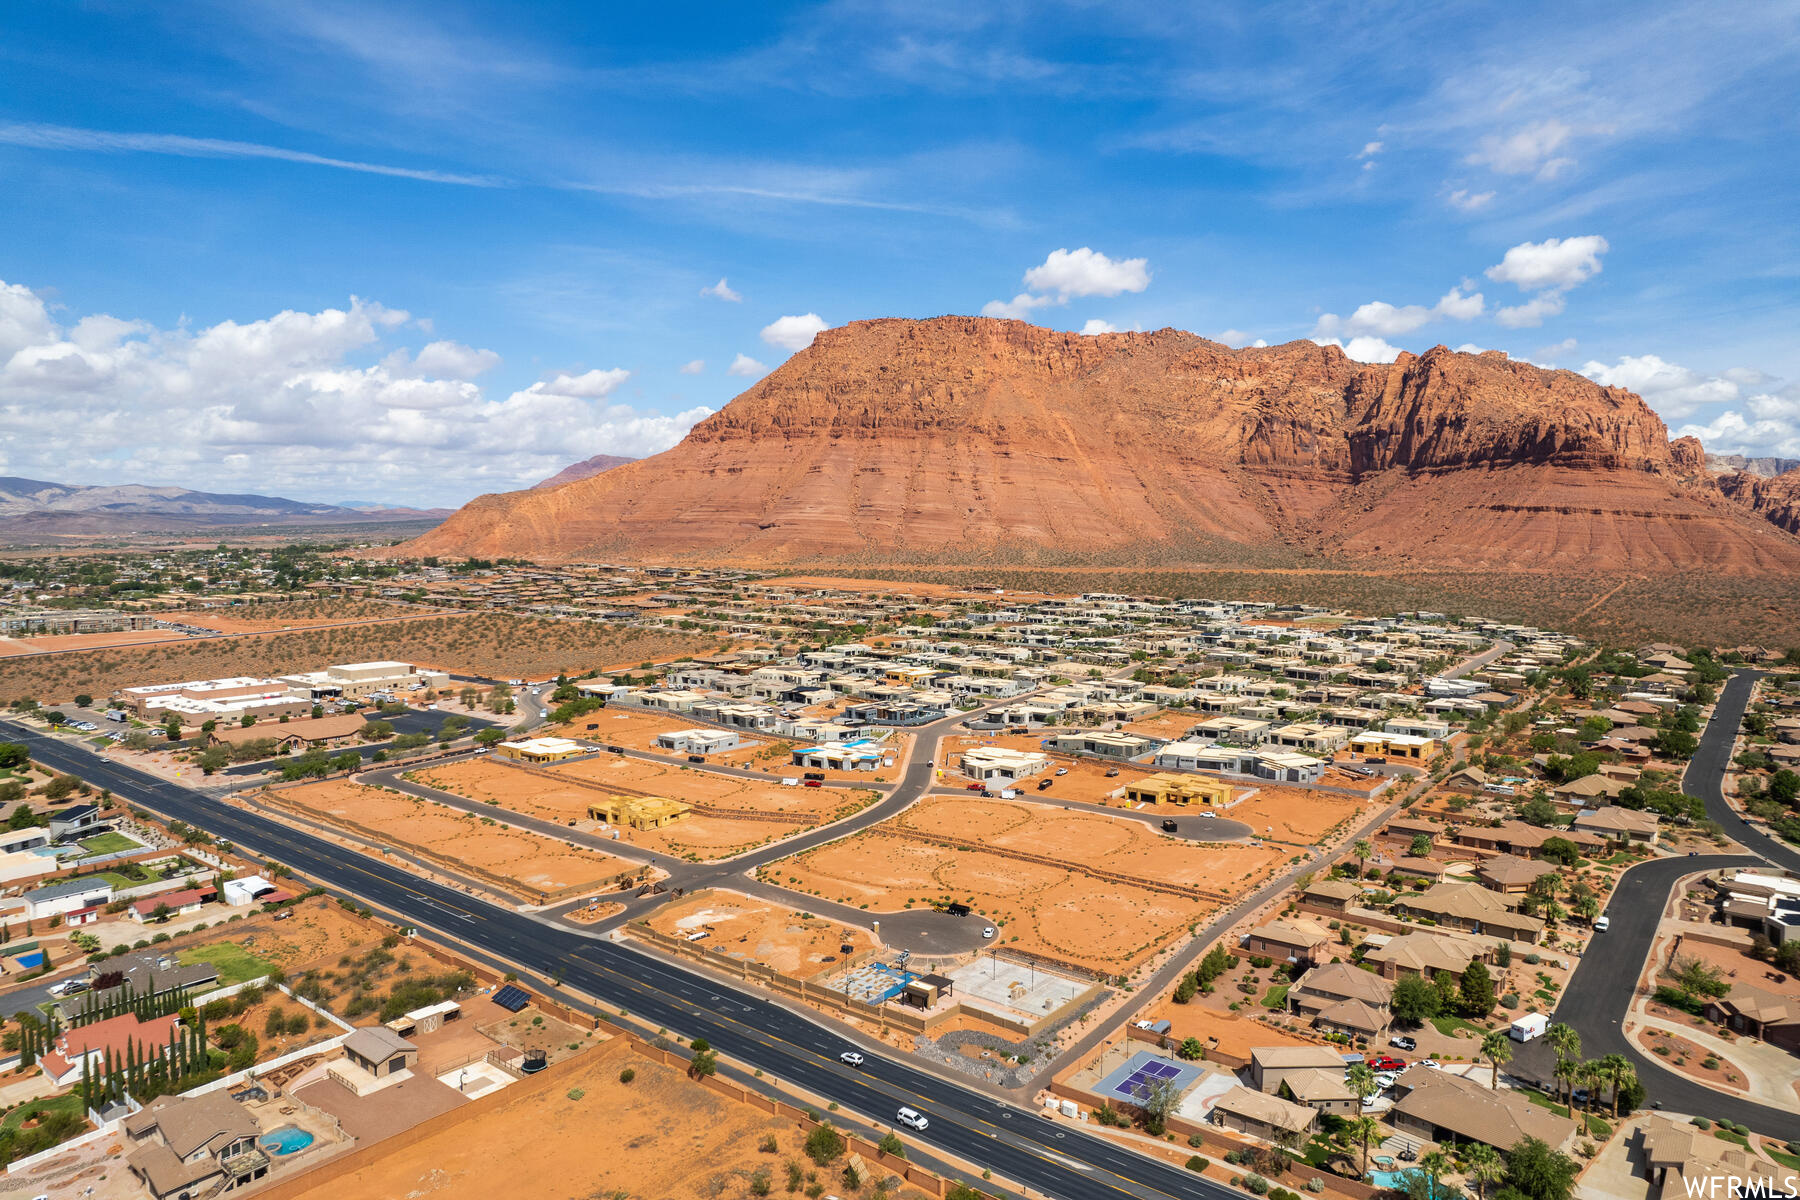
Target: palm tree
x,y
1617,1070
1567,1044
1364,1132
1361,1080
1496,1047
1362,848
1434,1163
1485,1166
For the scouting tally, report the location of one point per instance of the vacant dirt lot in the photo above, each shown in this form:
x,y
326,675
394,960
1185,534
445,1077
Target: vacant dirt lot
x,y
586,1134
1063,909
791,942
1295,815
637,731
495,645
1166,724
457,838
747,812
52,643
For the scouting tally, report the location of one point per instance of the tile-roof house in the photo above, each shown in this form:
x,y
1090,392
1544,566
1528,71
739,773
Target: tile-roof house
x,y
1619,824
1324,986
1473,908
75,1048
1511,874
1354,1018
1297,940
1333,894
1683,1161
1759,1013
1426,954
1441,1107
1262,1115
185,1144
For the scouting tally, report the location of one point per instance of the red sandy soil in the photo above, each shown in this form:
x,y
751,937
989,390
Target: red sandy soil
x,y
1059,911
588,1135
445,833
82,641
791,942
1727,1074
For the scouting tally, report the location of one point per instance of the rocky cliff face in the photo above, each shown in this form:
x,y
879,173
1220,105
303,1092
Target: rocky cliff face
x,y
964,439
1776,500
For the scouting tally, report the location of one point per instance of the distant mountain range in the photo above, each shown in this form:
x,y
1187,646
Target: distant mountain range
x,y
585,469
1767,468
38,507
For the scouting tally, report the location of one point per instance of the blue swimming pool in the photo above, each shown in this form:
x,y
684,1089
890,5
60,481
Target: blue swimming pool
x,y
1397,1181
289,1139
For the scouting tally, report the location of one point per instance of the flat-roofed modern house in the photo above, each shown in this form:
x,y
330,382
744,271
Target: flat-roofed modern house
x,y
997,763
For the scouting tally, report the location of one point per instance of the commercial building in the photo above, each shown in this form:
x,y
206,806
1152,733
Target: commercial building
x,y
196,701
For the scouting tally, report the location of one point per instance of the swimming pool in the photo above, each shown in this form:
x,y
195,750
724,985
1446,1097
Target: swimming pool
x,y
289,1139
1397,1181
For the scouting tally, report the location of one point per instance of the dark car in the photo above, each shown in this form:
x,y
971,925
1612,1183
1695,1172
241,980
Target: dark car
x,y
1045,783
697,758
1168,826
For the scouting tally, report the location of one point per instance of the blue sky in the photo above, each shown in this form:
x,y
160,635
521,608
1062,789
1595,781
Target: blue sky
x,y
418,252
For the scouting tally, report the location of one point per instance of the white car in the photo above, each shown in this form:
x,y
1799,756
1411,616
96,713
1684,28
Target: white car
x,y
987,933
851,1057
912,1119
1602,924
1386,1080
1062,770
1428,1062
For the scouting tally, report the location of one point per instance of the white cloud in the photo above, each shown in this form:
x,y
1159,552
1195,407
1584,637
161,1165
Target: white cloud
x,y
1066,273
693,366
1363,349
722,291
1531,314
1086,272
1467,201
1771,428
794,333
1674,391
1560,263
1383,320
1528,151
1019,307
275,406
1470,348
1096,326
590,385
1549,354
455,360
1370,150
64,137
746,367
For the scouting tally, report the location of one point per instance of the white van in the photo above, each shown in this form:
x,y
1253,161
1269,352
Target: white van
x,y
1602,924
912,1119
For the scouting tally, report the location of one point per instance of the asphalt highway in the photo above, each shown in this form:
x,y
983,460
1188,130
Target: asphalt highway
x,y
1014,1142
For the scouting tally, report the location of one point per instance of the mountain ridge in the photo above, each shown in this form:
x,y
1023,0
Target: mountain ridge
x,y
971,439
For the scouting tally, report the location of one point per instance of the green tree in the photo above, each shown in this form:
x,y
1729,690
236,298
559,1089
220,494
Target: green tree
x,y
213,760
1185,989
1476,993
824,1144
1414,1000
1361,1080
1567,1045
1363,849
1538,811
1420,847
1192,1049
1785,786
1538,1172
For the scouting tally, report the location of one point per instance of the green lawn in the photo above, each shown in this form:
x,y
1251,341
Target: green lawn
x,y
49,1104
1277,996
1449,1025
1597,1129
1728,1136
1790,1161
108,843
234,963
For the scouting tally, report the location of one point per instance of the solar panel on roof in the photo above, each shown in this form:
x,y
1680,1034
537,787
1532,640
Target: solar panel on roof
x,y
512,998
